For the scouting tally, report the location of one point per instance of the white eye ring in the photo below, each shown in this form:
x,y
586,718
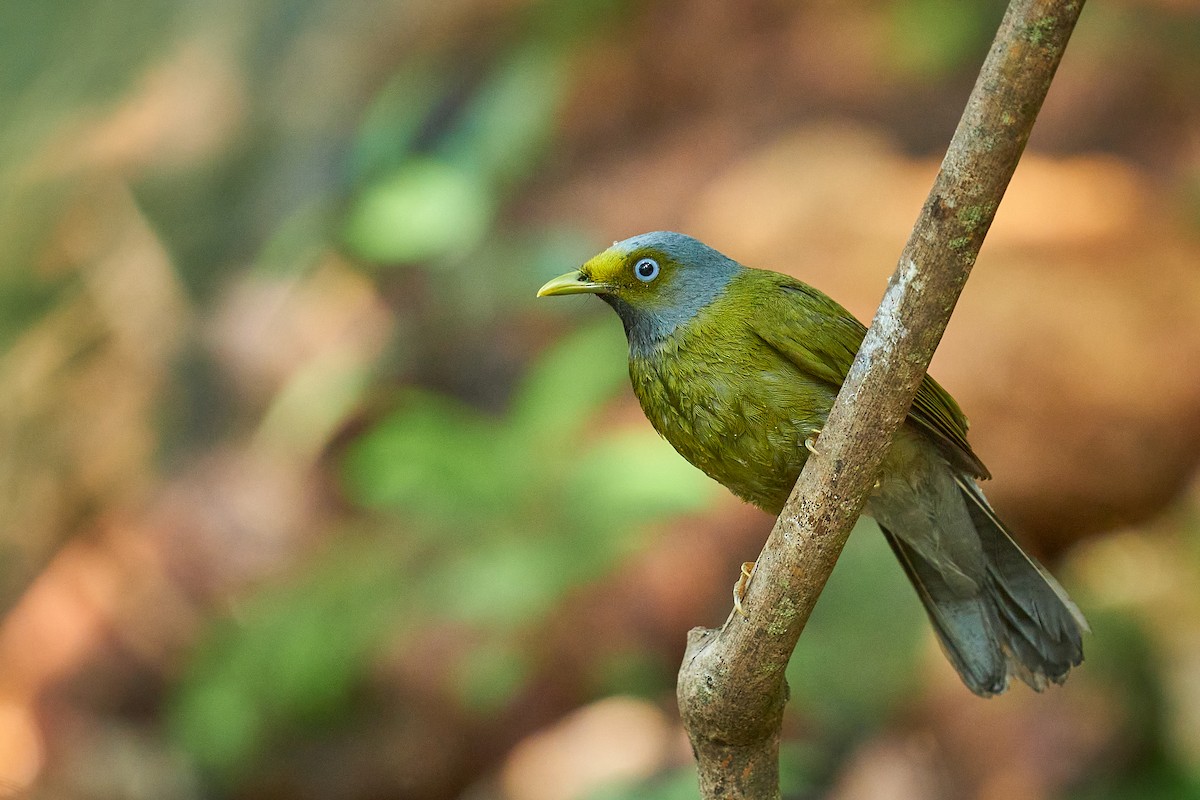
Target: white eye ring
x,y
646,269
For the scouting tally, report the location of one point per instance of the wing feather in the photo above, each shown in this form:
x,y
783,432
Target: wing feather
x,y
821,339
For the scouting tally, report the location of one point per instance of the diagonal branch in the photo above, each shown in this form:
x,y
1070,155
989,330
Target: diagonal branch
x,y
731,687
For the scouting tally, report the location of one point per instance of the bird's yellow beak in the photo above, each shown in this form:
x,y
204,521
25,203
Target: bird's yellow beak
x,y
572,283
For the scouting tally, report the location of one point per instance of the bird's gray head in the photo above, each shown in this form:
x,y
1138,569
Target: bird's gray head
x,y
655,282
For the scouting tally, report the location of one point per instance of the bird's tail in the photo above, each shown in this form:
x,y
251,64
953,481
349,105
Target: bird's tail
x,y
1018,622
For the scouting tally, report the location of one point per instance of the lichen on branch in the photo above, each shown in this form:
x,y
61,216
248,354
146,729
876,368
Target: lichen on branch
x,y
731,688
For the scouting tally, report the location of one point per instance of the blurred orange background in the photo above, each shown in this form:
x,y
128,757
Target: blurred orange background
x,y
303,495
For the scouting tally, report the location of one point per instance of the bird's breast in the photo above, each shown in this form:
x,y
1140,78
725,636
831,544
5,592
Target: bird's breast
x,y
733,408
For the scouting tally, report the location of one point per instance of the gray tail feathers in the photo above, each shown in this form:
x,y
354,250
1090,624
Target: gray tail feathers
x,y
1018,622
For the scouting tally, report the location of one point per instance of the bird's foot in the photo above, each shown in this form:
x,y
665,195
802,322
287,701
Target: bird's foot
x,y
743,583
810,443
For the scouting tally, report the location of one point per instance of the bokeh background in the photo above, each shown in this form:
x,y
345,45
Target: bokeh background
x,y
303,495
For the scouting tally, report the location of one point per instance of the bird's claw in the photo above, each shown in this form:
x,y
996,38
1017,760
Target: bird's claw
x,y
810,443
743,583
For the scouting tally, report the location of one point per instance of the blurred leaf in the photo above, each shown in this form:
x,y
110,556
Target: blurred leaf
x,y
632,672
310,407
432,457
523,508
425,209
1158,779
502,584
931,38
569,383
803,767
859,650
220,725
508,124
492,673
634,476
292,656
681,784
399,116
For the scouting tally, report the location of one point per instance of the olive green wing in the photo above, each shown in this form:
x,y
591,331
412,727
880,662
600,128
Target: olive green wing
x,y
821,339
937,412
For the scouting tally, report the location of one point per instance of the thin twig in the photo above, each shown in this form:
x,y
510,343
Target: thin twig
x,y
731,686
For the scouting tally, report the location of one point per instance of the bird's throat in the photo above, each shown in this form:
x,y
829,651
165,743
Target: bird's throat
x,y
648,328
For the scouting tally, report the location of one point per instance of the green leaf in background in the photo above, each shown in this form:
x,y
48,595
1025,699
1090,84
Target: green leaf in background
x,y
634,476
569,383
441,460
931,38
390,130
509,122
219,725
492,673
432,457
492,521
426,209
502,584
631,672
290,657
682,784
859,650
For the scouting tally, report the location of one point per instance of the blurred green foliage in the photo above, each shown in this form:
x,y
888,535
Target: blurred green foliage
x,y
854,666
444,142
481,520
485,522
931,39
477,477
290,657
861,644
679,785
40,96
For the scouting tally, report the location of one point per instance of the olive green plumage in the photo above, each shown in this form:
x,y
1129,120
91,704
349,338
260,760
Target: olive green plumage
x,y
737,367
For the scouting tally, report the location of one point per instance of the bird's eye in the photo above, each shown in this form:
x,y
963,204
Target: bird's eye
x,y
646,269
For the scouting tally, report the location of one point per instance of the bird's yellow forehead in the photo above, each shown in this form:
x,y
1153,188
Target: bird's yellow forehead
x,y
607,266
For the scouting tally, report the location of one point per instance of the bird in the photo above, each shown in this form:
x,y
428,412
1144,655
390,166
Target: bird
x,y
737,368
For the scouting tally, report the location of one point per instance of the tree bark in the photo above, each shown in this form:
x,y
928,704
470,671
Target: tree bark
x,y
731,686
